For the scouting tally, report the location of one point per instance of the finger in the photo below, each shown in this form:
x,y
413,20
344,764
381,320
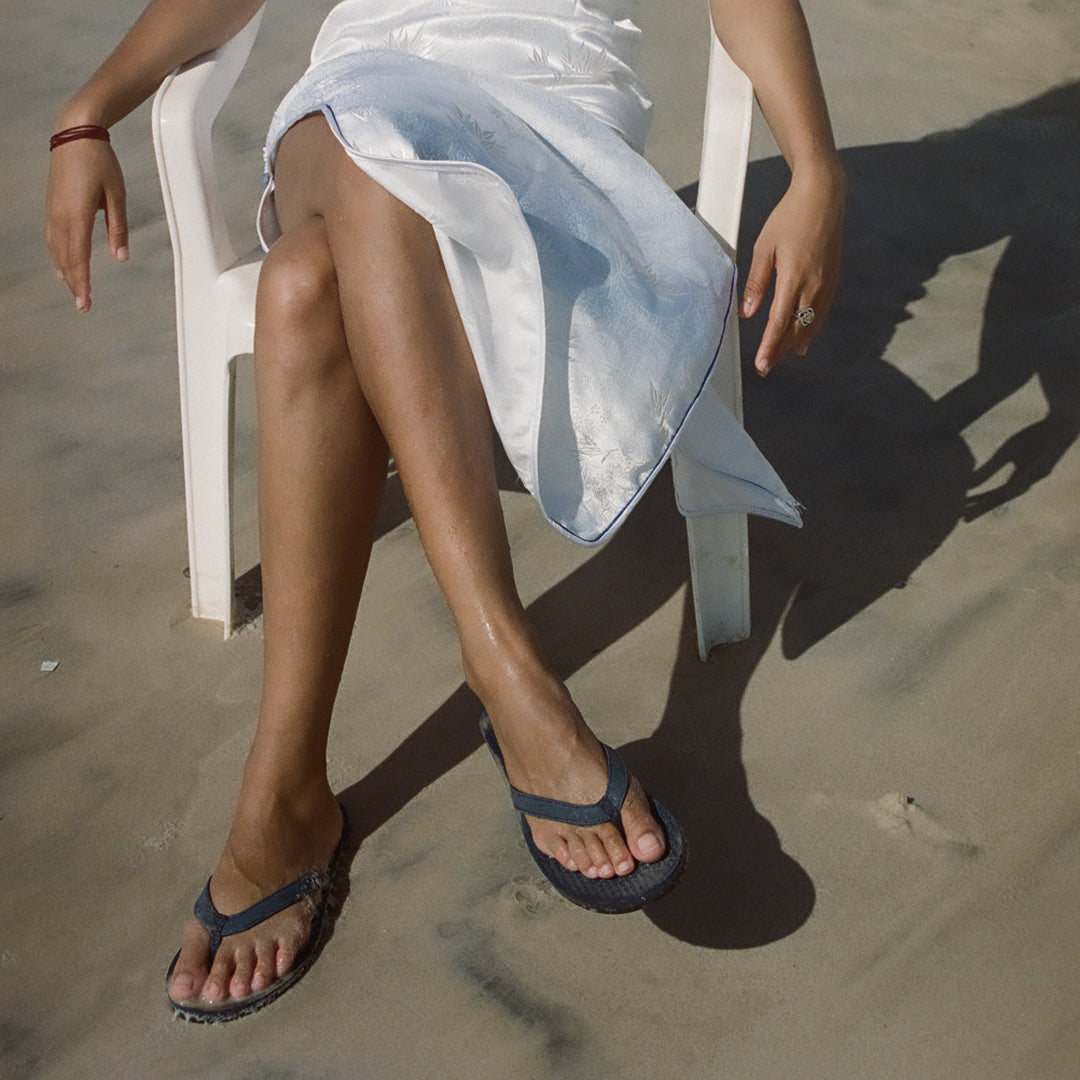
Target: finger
x,y
779,335
59,246
804,332
806,335
77,268
50,244
757,280
116,221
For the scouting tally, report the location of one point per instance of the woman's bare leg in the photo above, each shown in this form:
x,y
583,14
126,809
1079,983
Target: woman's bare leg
x,y
417,373
322,468
358,334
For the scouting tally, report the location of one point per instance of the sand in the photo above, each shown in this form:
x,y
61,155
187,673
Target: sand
x,y
879,788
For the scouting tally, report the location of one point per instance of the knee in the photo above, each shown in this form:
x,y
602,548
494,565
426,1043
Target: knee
x,y
298,282
298,330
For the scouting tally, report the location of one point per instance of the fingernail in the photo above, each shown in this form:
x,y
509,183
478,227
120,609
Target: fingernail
x,y
744,309
649,844
761,368
802,350
122,254
82,303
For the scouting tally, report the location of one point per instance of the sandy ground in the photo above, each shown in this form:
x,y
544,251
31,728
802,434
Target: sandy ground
x,y
879,788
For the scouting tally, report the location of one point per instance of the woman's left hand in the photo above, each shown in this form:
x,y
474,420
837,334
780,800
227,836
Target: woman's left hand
x,y
800,244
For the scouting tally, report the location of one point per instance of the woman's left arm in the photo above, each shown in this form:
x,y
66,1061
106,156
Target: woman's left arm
x,y
800,242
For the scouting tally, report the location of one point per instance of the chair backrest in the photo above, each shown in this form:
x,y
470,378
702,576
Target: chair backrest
x,y
183,113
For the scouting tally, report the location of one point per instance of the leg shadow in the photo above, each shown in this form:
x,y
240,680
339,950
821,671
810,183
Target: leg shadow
x,y
881,466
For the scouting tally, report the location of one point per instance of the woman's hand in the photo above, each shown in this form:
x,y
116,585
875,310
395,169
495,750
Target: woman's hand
x,y
84,177
800,244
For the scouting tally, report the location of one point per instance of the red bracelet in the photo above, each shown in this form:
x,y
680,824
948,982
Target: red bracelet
x,y
83,131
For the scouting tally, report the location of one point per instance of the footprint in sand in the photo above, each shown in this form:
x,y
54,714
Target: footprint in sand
x,y
902,815
534,897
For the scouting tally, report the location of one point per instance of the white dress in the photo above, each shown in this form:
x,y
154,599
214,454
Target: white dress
x,y
593,300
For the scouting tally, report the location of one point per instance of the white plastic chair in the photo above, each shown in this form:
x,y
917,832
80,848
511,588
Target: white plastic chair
x,y
215,313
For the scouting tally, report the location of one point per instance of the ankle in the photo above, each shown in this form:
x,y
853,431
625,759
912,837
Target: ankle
x,y
498,658
269,792
514,687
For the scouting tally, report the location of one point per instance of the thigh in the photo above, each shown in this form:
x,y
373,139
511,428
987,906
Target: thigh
x,y
306,154
315,177
389,269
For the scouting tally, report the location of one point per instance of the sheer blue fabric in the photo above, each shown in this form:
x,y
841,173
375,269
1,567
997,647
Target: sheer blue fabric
x,y
593,300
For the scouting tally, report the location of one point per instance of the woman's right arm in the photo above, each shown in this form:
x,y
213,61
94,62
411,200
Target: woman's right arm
x,y
84,175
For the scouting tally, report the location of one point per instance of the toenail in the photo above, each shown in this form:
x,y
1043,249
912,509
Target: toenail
x,y
625,867
649,844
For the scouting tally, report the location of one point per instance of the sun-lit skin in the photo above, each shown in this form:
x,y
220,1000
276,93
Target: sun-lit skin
x,y
359,351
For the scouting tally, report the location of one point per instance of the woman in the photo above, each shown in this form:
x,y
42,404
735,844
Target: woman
x,y
376,333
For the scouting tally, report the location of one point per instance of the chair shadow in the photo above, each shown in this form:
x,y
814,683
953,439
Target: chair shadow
x,y
881,466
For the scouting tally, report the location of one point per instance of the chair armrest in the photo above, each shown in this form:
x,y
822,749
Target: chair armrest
x,y
729,105
183,113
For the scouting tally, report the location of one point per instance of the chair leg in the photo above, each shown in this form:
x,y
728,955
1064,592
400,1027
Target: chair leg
x,y
719,548
720,578
207,406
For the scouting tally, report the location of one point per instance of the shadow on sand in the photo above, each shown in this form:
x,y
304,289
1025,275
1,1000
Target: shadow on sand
x,y
881,466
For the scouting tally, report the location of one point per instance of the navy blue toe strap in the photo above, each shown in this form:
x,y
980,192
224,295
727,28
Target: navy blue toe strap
x,y
221,926
606,809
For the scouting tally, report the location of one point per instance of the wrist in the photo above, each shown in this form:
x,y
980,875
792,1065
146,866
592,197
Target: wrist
x,y
78,110
822,172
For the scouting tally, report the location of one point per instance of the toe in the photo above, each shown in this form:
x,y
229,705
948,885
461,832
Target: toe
x,y
284,956
293,935
618,854
240,983
579,857
560,853
192,965
217,983
264,972
644,837
598,853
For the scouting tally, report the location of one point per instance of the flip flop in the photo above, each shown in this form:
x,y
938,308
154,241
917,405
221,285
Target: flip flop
x,y
221,926
610,896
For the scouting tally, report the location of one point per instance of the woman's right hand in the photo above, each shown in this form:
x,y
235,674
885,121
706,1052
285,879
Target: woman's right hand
x,y
84,177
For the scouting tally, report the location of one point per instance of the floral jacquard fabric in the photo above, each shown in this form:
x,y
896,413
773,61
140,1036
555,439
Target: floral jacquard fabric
x,y
593,300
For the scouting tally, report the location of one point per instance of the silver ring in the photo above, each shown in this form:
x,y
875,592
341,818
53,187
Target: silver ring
x,y
805,315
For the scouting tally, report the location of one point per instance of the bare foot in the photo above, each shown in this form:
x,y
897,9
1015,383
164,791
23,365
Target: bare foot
x,y
549,751
268,847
